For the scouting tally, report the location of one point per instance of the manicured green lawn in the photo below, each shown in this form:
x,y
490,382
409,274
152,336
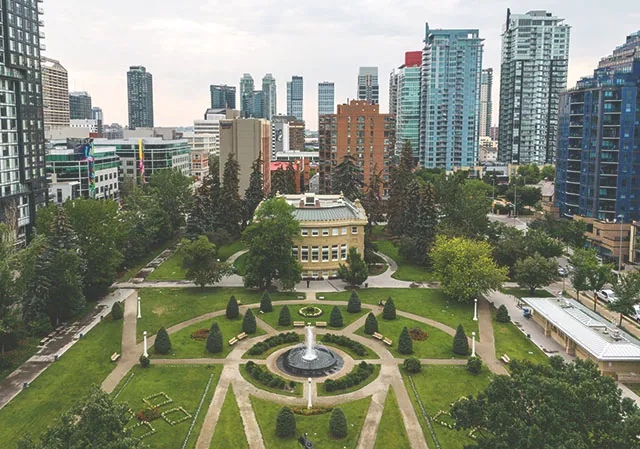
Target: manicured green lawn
x,y
16,357
169,306
170,270
316,426
226,251
297,389
439,386
407,271
371,378
229,432
438,345
511,341
525,293
271,318
425,302
184,347
185,385
391,432
144,260
370,355
64,383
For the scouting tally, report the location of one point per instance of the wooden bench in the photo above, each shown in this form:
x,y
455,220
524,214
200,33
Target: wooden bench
x,y
387,341
239,302
233,341
301,297
298,324
44,341
242,336
505,358
115,356
321,324
320,297
378,336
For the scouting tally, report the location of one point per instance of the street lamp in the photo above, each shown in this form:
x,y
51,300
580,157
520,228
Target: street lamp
x,y
475,309
620,217
139,309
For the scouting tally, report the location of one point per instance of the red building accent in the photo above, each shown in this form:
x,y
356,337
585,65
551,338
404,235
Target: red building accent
x,y
413,59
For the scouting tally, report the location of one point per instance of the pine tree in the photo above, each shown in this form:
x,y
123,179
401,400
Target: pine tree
x,y
278,182
214,328
265,303
199,221
254,193
389,310
338,427
372,200
285,317
421,220
116,311
290,179
163,343
347,178
214,339
229,201
502,315
285,423
371,324
412,200
400,176
232,309
335,319
249,323
405,344
355,272
354,305
215,191
460,342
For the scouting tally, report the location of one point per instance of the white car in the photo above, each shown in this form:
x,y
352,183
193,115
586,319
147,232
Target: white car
x,y
606,296
636,313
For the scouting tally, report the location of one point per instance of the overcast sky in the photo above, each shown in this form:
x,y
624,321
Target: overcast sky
x,y
189,44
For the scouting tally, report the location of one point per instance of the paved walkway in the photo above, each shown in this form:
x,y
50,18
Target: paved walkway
x,y
210,421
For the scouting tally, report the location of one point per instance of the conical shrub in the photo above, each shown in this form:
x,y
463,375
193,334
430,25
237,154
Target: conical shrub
x,y
116,311
335,319
405,344
371,324
232,309
389,311
162,344
338,427
285,423
265,303
249,323
354,305
215,341
460,342
284,319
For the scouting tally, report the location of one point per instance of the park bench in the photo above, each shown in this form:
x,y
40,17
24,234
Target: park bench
x,y
378,336
44,341
115,356
239,302
320,297
387,341
301,297
233,341
242,336
505,358
321,324
298,324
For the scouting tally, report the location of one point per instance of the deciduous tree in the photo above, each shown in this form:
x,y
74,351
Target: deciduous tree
x,y
535,272
200,259
627,290
355,272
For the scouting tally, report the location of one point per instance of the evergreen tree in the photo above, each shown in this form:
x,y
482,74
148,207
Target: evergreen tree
x,y
355,272
400,176
419,244
116,311
354,305
249,323
284,319
389,310
254,193
278,182
372,200
412,365
232,308
199,221
502,315
231,209
405,344
460,342
347,178
265,303
163,343
215,191
215,340
412,201
371,324
290,179
214,328
338,427
285,423
335,319
474,365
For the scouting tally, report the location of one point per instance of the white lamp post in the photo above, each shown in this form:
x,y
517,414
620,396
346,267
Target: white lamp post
x,y
139,309
473,344
475,309
146,354
309,399
620,217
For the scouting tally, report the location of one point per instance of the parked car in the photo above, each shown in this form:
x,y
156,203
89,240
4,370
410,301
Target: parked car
x,y
562,272
636,313
606,295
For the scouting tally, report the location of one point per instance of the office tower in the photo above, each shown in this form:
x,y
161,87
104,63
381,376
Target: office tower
x,y
599,140
23,184
80,106
269,96
223,96
258,104
246,95
495,133
450,98
55,92
486,105
368,87
295,97
247,140
97,115
407,101
326,98
359,130
393,92
140,92
533,72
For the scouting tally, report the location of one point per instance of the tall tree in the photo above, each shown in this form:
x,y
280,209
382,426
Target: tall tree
x,y
230,204
537,241
400,178
200,217
464,206
254,193
417,245
588,273
200,258
627,290
172,189
347,178
278,182
372,200
290,177
270,239
9,319
355,272
508,245
535,272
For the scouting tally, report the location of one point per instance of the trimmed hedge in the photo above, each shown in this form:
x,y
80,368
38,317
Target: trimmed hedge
x,y
354,305
285,423
371,324
116,311
502,315
233,311
412,365
474,365
362,371
284,319
340,340
249,325
335,319
163,343
265,377
272,342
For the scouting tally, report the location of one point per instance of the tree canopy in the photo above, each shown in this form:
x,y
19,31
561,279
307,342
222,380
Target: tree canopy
x,y
200,258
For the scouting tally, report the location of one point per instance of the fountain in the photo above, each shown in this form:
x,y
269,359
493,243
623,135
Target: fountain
x,y
310,359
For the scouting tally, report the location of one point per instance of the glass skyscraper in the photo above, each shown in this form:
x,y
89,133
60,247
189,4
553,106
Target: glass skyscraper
x,y
486,104
326,98
269,98
140,90
404,99
368,86
223,96
246,95
295,93
80,106
450,98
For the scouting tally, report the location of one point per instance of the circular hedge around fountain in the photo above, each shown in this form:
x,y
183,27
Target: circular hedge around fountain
x,y
310,312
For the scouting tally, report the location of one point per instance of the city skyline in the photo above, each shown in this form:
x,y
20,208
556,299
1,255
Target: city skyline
x,y
379,37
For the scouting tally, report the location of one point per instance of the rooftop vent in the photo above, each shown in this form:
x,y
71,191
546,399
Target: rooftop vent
x,y
616,335
309,199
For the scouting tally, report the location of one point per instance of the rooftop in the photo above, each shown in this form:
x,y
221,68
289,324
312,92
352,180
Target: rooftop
x,y
603,340
310,207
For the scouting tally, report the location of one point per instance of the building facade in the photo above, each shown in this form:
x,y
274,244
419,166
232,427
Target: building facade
x,y
55,92
80,106
140,97
222,96
533,72
450,98
247,87
486,103
202,146
98,116
407,102
326,98
368,86
358,130
269,97
295,97
598,158
488,152
329,226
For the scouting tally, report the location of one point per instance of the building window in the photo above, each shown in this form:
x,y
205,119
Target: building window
x,y
314,254
354,229
305,254
343,252
325,254
335,231
344,230
304,232
314,274
294,252
59,195
334,252
314,233
325,232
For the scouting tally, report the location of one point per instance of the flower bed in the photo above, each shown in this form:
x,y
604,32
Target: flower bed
x,y
339,340
200,335
149,400
267,378
272,342
149,432
303,411
418,334
355,377
310,312
148,414
185,416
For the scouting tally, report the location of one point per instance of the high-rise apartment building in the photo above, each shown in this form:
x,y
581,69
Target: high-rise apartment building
x,y
405,101
358,130
368,87
247,87
295,95
98,116
140,93
269,96
55,92
326,98
486,105
23,184
599,140
223,96
533,72
450,98
80,106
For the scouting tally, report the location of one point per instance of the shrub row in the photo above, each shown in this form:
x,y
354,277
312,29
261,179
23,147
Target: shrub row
x,y
355,377
267,378
272,342
304,411
339,340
